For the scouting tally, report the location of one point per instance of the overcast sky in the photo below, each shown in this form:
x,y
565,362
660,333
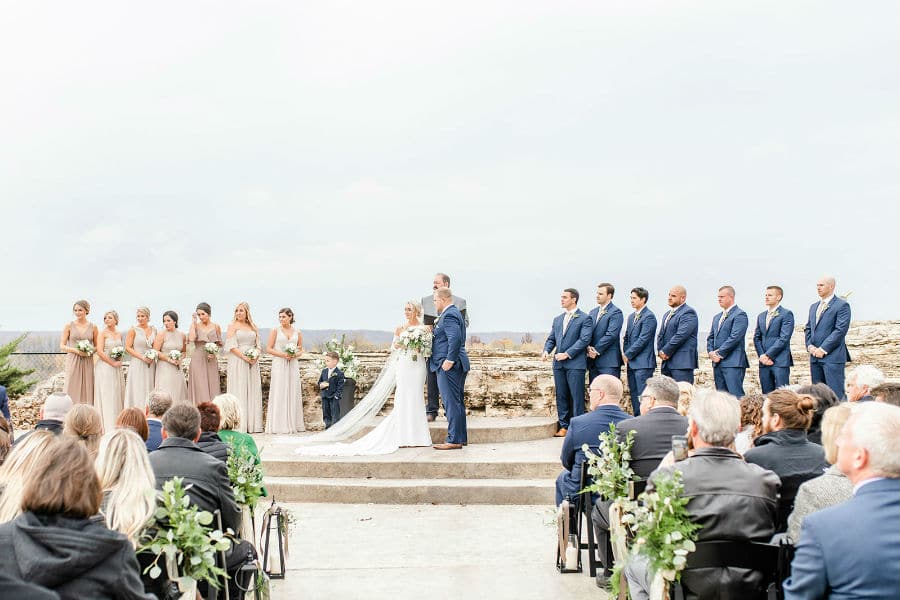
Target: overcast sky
x,y
331,156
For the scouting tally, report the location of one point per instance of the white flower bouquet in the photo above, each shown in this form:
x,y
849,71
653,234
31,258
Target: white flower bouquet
x,y
151,354
211,348
416,340
117,352
252,352
291,349
85,346
174,355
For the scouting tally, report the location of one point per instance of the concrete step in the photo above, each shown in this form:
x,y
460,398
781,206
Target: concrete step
x,y
490,430
411,491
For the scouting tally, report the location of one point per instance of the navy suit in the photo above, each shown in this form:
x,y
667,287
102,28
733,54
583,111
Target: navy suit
x,y
775,342
677,338
449,343
640,351
331,396
584,429
830,335
154,437
727,338
605,333
851,550
568,375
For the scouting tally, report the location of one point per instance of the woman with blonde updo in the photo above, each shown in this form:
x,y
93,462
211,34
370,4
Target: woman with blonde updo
x,y
84,424
244,380
109,376
285,411
79,364
17,468
142,368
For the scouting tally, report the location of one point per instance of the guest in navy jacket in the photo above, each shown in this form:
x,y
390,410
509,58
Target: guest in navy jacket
x,y
677,338
157,405
604,357
638,350
725,345
570,336
826,333
772,340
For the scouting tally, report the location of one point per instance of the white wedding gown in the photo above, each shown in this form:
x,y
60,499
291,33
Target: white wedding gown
x,y
405,426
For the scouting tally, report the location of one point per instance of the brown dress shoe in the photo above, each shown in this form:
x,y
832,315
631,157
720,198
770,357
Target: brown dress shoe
x,y
561,433
448,446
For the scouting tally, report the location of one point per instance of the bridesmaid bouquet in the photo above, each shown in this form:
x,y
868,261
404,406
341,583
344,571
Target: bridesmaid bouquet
x,y
211,348
291,349
117,352
416,340
151,354
174,355
85,346
252,353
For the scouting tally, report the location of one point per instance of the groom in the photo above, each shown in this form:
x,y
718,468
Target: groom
x,y
451,364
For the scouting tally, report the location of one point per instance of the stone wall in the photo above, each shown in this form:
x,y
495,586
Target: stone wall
x,y
519,383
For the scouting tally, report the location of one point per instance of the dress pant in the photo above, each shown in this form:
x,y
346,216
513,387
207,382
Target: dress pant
x,y
451,384
772,378
569,394
678,374
433,404
637,381
831,374
331,411
730,379
600,522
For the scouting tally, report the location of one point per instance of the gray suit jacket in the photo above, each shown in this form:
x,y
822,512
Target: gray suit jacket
x,y
431,312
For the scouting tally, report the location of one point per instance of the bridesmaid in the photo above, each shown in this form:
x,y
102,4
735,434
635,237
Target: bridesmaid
x,y
109,377
79,365
203,373
285,411
141,370
243,371
169,377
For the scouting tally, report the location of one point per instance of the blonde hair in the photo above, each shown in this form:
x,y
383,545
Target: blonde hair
x,y
114,314
228,407
685,395
416,306
126,475
83,304
17,468
246,308
84,422
832,422
143,310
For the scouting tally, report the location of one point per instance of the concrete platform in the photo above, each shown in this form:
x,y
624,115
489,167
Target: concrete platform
x,y
491,430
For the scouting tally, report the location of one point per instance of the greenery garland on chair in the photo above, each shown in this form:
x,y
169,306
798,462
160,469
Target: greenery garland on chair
x,y
246,476
610,469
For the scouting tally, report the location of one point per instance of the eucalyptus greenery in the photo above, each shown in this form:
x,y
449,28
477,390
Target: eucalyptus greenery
x,y
246,476
182,534
610,468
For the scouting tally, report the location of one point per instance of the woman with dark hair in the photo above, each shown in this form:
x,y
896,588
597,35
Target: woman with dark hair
x,y
203,373
80,361
171,345
825,399
285,411
5,438
55,542
133,418
209,441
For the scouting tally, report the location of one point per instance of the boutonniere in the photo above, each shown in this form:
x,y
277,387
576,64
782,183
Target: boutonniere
x,y
637,317
825,307
775,314
574,315
601,313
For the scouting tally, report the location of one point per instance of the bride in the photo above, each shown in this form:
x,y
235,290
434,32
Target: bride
x,y
406,425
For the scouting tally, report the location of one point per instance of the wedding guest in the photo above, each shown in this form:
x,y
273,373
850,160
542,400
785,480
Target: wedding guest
x,y
676,342
783,447
887,392
751,422
203,373
825,335
157,405
229,427
685,395
827,489
638,350
825,399
127,482
133,418
17,467
5,439
57,544
569,337
52,414
331,384
109,376
18,589
4,405
285,410
142,367
244,379
79,364
171,345
209,441
860,382
430,315
84,424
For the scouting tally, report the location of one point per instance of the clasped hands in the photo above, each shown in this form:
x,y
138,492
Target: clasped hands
x,y
559,356
715,356
815,351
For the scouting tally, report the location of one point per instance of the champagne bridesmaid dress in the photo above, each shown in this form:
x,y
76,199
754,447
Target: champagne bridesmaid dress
x,y
170,378
109,386
80,369
203,374
285,411
244,380
141,376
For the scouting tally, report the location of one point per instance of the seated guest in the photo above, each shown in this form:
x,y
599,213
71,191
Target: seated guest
x,y
751,422
56,544
17,467
4,406
827,489
230,422
133,418
825,399
53,412
730,499
157,404
604,394
860,382
127,482
5,439
852,550
887,392
209,441
783,447
85,424
653,432
16,589
686,394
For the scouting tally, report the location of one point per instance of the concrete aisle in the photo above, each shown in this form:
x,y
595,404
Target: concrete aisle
x,y
434,552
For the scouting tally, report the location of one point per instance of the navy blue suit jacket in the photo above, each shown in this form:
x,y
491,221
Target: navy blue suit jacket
x,y
638,345
775,342
574,342
586,429
4,404
728,340
678,338
154,437
449,341
831,331
335,388
851,550
605,337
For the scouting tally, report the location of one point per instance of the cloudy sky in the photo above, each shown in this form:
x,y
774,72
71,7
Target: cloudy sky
x,y
331,156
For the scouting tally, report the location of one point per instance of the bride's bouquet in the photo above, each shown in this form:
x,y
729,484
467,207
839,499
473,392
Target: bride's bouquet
x,y
151,355
211,348
85,346
117,352
291,349
252,352
174,355
416,340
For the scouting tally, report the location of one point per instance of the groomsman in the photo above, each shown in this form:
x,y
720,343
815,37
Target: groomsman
x,y
772,340
826,333
603,355
638,351
570,336
441,280
677,338
725,344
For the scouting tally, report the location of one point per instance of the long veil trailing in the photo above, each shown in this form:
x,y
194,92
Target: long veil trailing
x,y
364,412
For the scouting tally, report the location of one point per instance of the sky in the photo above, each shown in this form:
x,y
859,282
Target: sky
x,y
331,156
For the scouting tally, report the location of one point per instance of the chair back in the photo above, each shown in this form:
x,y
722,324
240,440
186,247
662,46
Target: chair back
x,y
768,559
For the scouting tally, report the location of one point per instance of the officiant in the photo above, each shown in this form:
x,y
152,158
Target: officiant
x,y
441,280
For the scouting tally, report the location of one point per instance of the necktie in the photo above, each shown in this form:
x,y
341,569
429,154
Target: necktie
x,y
566,322
822,306
722,320
669,316
769,317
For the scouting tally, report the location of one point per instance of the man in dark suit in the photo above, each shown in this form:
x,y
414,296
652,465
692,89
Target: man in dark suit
x,y
605,393
825,334
772,340
677,338
852,550
441,280
570,335
331,384
725,345
451,363
638,351
157,405
604,357
653,433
